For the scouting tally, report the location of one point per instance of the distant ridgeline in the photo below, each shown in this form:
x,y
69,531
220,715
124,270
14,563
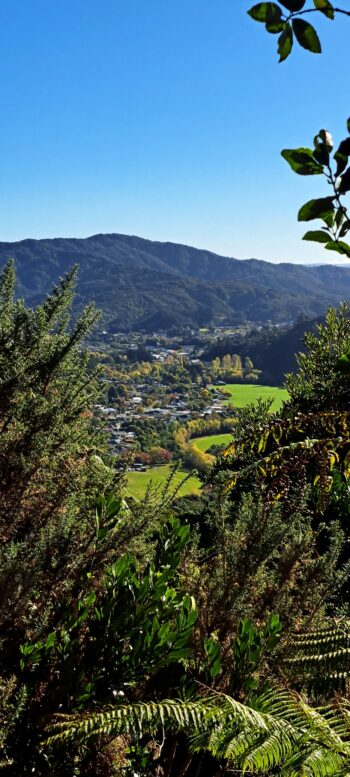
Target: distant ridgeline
x,y
147,286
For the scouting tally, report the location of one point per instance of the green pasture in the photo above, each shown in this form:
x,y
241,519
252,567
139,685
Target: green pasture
x,y
203,443
242,394
138,482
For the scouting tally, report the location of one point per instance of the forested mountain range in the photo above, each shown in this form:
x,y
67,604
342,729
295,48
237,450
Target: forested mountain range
x,y
144,285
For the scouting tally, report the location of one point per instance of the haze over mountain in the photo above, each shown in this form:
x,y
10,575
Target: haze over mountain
x,y
142,284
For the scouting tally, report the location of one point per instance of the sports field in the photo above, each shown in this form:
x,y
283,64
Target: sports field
x,y
203,443
138,482
242,394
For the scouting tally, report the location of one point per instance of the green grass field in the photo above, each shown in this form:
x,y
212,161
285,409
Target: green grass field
x,y
203,443
138,482
242,393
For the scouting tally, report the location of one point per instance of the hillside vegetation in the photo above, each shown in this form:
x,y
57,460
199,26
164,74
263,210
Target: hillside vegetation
x,y
170,636
141,284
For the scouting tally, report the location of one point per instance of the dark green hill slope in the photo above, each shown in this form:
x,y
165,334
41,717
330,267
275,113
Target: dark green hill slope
x,y
272,349
140,284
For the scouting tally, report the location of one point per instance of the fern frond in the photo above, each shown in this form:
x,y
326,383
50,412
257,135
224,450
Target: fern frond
x,y
325,652
281,733
128,719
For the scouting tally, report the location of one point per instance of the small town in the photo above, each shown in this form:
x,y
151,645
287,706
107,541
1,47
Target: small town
x,y
160,382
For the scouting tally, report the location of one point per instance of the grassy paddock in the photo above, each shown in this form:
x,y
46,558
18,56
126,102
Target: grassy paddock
x,y
242,394
203,443
138,482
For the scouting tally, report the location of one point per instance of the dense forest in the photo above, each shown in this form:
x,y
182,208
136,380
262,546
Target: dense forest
x,y
149,286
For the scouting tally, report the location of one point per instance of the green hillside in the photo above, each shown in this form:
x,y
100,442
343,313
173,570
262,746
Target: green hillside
x,y
143,285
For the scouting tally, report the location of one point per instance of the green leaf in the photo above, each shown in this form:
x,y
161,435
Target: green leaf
x,y
339,246
285,43
293,5
325,7
274,623
343,364
321,154
301,160
317,236
342,154
344,147
344,185
266,12
329,218
316,209
339,217
345,228
50,640
275,28
342,161
306,36
348,124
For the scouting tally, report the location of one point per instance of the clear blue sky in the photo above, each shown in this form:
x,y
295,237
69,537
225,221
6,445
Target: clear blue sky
x,y
164,119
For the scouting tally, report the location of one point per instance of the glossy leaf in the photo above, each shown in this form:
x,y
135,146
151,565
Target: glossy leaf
x,y
344,185
275,28
344,147
341,160
302,161
266,12
293,5
345,228
341,155
306,36
316,209
317,236
325,7
285,43
321,154
339,246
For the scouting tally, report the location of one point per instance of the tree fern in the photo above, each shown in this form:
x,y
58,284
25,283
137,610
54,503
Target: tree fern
x,y
281,732
323,654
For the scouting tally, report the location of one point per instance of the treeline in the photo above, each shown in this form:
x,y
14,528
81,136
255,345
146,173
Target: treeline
x,y
191,455
272,350
230,369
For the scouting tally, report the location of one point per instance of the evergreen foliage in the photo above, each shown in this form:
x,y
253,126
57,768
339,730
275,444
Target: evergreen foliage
x,y
122,608
50,470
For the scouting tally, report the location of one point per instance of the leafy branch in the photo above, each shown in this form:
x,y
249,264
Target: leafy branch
x,y
331,210
316,441
290,26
